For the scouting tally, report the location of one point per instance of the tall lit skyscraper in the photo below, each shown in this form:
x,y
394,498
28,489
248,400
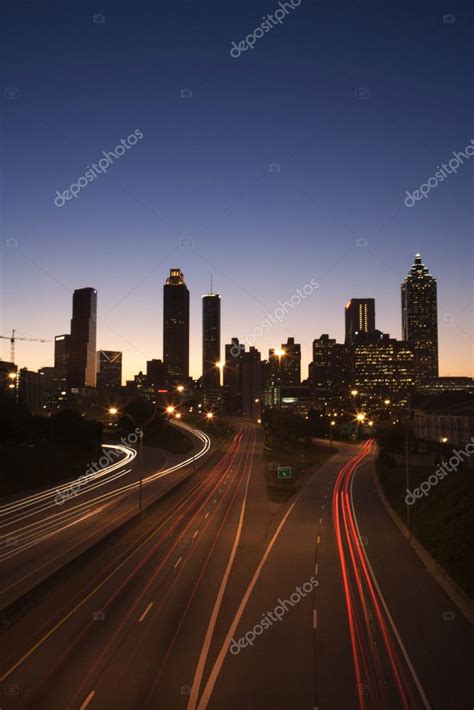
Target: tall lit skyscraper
x,y
82,342
360,318
211,339
176,327
420,318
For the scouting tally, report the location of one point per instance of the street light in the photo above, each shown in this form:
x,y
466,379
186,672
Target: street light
x,y
12,375
370,423
170,409
114,411
354,393
177,415
444,439
387,402
360,417
209,415
180,388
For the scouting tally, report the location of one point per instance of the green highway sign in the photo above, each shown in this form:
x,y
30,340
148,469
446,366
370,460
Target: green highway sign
x,y
284,471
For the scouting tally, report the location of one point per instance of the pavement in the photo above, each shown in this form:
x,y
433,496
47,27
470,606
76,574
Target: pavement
x,y
217,598
42,531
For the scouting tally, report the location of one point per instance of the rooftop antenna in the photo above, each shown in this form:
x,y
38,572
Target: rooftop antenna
x,y
211,286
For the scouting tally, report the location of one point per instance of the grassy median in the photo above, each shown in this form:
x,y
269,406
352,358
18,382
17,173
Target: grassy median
x,y
302,460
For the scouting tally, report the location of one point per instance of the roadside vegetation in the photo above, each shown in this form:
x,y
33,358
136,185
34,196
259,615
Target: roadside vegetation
x,y
36,451
443,520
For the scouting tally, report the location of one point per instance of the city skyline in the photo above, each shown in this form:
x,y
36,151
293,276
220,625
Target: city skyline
x,y
250,440
263,342
301,172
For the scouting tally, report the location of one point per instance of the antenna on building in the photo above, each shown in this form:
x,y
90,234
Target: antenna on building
x,y
211,285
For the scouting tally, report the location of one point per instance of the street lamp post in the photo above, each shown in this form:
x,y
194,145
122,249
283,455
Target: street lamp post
x,y
332,424
114,411
360,418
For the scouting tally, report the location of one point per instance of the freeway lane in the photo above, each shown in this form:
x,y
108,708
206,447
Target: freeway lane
x,y
353,641
52,663
43,531
147,622
441,650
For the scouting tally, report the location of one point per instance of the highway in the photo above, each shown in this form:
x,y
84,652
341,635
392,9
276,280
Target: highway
x,y
42,531
218,598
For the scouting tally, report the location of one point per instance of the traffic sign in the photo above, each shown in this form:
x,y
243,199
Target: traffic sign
x,y
284,471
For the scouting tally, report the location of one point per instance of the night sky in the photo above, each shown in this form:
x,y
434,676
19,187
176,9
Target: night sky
x,y
266,170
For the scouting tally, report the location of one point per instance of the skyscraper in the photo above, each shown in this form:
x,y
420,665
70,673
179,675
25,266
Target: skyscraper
x,y
328,368
233,360
291,363
360,318
61,359
420,318
251,382
211,339
82,343
109,369
176,327
61,343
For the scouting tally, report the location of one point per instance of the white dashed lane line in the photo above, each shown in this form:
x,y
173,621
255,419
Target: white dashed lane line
x,y
145,612
87,700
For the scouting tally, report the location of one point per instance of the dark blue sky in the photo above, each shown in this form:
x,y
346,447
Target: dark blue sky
x,y
201,171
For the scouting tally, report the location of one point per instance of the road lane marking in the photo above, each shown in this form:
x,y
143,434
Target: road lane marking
x,y
195,534
206,516
62,621
320,520
178,561
215,500
214,674
146,611
323,506
381,597
316,568
87,700
318,539
315,618
193,700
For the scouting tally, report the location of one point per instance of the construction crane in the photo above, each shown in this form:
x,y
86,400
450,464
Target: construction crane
x,y
14,337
